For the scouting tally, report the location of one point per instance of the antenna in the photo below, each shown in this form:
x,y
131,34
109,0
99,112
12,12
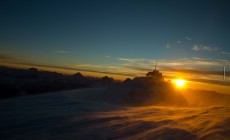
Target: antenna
x,y
156,65
223,72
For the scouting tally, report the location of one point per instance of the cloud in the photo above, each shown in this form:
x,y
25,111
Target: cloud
x,y
92,66
138,68
189,68
119,69
182,70
179,63
6,55
203,47
226,53
133,60
170,68
62,52
114,72
188,38
200,72
178,41
3,56
107,56
203,80
168,46
218,82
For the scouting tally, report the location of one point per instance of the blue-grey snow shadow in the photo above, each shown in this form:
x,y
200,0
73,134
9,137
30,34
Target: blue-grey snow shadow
x,y
43,116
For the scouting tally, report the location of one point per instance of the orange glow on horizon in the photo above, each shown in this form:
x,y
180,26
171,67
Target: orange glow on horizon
x,y
64,71
169,76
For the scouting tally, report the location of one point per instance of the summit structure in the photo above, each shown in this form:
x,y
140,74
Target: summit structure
x,y
155,74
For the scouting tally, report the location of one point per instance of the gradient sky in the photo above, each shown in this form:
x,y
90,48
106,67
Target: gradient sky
x,y
119,36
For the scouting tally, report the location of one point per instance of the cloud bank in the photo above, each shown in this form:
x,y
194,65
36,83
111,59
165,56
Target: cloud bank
x,y
203,47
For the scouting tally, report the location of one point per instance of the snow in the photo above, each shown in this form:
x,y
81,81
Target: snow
x,y
78,115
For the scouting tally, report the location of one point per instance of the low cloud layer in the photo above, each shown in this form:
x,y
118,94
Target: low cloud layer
x,y
193,69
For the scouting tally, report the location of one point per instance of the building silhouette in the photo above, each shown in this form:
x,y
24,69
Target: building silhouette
x,y
155,74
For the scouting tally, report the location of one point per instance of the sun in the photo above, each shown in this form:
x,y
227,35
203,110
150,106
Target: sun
x,y
179,82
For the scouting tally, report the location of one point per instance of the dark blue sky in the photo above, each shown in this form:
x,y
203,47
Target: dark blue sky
x,y
97,32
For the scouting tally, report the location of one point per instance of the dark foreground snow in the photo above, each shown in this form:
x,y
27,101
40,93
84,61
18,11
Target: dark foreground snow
x,y
61,117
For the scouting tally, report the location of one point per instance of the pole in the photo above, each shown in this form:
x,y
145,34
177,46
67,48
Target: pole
x,y
223,72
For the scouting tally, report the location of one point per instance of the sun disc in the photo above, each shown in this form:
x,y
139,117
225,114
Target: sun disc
x,y
180,82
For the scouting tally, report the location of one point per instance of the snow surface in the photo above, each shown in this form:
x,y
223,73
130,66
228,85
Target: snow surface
x,y
74,115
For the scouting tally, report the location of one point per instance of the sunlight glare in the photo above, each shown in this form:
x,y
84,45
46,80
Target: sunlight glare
x,y
179,82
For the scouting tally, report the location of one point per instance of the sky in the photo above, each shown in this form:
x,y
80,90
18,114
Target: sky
x,y
189,39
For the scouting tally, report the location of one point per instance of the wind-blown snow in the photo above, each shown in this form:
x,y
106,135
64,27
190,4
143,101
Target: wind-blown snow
x,y
62,117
